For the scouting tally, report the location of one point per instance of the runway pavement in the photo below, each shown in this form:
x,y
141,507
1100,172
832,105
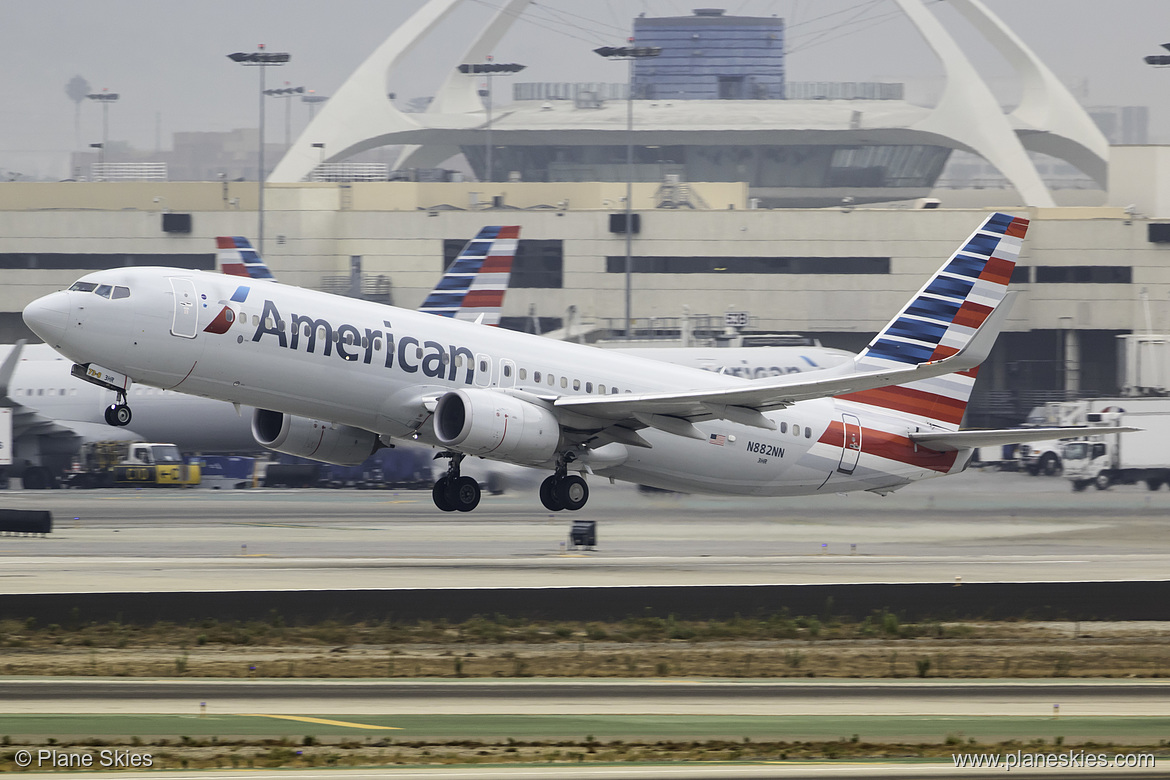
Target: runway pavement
x,y
980,527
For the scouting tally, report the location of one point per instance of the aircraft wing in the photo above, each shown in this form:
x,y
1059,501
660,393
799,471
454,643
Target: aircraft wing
x,y
673,411
946,441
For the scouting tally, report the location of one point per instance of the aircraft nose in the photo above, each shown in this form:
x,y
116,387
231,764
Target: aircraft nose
x,y
48,317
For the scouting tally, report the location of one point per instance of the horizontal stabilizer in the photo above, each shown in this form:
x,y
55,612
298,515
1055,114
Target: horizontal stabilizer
x,y
946,441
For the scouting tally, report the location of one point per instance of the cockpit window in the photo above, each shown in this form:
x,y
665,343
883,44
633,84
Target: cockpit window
x,y
121,292
83,286
104,290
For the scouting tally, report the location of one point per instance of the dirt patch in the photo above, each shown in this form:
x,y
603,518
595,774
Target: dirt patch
x,y
648,647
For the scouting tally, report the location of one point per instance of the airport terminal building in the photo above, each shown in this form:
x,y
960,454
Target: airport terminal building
x,y
720,137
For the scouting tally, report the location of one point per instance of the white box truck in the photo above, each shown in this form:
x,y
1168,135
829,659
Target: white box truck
x,y
1106,459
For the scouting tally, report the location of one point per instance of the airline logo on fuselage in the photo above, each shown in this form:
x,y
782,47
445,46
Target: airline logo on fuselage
x,y
306,333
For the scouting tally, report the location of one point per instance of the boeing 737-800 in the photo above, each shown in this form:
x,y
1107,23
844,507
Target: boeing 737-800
x,y
334,378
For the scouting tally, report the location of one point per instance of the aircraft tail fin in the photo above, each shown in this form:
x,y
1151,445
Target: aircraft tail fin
x,y
942,318
235,257
475,283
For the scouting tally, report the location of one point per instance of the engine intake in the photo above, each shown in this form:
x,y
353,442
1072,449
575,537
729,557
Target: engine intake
x,y
496,425
342,445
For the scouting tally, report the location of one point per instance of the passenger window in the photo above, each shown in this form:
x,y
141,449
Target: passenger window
x,y
601,389
121,292
523,373
377,344
483,367
255,319
588,387
103,290
614,391
576,384
564,381
808,433
418,352
507,369
551,380
536,377
783,427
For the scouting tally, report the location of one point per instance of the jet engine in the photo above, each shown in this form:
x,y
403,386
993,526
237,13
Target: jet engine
x,y
496,425
342,445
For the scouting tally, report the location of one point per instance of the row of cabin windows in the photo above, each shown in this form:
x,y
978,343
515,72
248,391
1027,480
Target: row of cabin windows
x,y
796,430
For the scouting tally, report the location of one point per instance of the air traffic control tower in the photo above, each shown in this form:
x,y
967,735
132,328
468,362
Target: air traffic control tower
x,y
710,56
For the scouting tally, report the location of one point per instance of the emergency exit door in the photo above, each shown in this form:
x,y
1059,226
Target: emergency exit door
x,y
851,446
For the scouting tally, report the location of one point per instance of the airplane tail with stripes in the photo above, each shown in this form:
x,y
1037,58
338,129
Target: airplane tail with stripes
x,y
474,284
940,320
235,256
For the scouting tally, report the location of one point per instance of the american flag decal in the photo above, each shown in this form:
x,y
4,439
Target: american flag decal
x,y
717,439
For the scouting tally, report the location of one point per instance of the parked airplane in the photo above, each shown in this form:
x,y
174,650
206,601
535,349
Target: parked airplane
x,y
334,378
54,414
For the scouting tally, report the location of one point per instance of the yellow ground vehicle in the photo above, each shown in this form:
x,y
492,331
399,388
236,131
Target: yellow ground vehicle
x,y
126,464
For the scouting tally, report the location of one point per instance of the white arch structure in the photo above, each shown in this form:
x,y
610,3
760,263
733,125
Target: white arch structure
x,y
968,117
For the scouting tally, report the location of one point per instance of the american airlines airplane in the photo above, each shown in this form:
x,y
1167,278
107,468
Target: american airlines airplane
x,y
334,378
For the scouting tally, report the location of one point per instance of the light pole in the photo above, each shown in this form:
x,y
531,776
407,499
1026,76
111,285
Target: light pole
x,y
487,69
262,59
629,54
1159,60
312,98
105,97
286,93
101,158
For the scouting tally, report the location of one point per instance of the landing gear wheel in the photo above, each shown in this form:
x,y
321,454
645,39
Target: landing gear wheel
x,y
118,415
572,492
548,495
463,493
1050,465
1153,484
1102,482
439,495
1080,485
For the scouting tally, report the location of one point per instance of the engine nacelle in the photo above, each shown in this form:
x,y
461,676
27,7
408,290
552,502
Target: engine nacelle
x,y
497,425
342,445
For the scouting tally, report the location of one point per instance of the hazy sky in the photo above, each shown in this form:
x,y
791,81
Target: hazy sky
x,y
168,60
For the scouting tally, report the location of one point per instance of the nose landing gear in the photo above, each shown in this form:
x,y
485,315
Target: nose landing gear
x,y
453,492
118,414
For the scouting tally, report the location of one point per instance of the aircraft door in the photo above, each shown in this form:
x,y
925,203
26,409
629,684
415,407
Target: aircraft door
x,y
186,322
483,370
851,446
507,373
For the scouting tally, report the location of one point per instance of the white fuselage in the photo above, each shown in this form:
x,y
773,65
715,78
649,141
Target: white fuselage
x,y
382,364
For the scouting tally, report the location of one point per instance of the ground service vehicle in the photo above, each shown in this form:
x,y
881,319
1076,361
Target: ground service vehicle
x,y
126,464
1106,459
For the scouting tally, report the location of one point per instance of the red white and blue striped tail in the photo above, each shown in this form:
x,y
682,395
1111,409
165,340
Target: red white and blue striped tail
x,y
940,320
235,257
474,285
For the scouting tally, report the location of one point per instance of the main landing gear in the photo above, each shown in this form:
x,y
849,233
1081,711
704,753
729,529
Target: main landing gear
x,y
118,414
453,492
563,490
